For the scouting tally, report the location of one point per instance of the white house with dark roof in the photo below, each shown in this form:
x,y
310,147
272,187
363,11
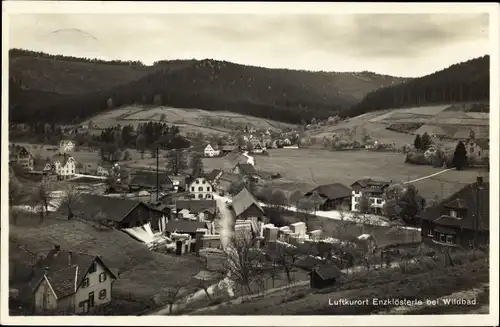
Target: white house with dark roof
x,y
71,282
373,189
66,146
201,188
209,151
64,166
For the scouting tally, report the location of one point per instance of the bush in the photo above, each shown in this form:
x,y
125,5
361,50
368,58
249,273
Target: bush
x,y
416,158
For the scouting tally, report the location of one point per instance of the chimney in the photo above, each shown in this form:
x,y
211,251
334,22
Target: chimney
x,y
70,256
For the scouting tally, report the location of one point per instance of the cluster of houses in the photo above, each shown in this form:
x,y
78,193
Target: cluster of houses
x,y
250,142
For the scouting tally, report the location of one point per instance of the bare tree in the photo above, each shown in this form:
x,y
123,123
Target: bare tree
x,y
243,262
71,197
42,197
284,256
170,295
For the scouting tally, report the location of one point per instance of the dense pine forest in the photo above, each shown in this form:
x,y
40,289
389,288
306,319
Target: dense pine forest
x,y
465,82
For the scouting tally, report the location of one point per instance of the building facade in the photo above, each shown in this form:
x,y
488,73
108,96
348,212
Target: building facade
x,y
201,188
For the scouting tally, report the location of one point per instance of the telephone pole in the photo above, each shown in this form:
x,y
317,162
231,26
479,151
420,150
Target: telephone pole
x,y
157,174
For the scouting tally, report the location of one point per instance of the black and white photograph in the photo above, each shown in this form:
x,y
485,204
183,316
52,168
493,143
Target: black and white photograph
x,y
171,161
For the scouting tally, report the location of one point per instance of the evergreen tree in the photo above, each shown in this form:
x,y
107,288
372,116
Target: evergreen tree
x,y
418,142
426,141
460,156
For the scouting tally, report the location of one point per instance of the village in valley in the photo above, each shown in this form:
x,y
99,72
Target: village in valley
x,y
163,190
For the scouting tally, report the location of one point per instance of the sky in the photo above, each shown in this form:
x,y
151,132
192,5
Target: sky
x,y
409,45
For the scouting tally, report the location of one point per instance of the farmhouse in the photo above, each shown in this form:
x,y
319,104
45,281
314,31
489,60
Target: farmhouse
x,y
324,275
334,196
245,169
106,168
246,206
225,181
71,282
44,168
117,212
209,151
64,166
477,148
255,142
22,157
204,208
178,182
453,221
66,146
372,189
201,188
146,180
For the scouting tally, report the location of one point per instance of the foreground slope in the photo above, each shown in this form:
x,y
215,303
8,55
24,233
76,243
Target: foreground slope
x,y
464,82
207,84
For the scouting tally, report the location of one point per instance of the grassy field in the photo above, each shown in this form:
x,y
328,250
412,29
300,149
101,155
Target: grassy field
x,y
304,169
442,120
188,120
142,273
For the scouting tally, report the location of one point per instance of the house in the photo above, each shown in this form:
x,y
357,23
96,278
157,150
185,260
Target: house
x,y
201,188
267,140
457,219
335,196
208,208
477,148
178,182
246,206
373,190
258,148
324,275
66,146
64,166
147,180
71,282
111,211
255,142
245,169
209,151
187,234
22,157
44,168
105,168
225,149
225,180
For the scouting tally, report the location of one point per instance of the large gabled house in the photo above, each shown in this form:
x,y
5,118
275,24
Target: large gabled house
x,y
372,189
333,196
245,169
147,180
64,166
70,282
22,157
210,151
111,211
201,188
246,206
459,219
66,146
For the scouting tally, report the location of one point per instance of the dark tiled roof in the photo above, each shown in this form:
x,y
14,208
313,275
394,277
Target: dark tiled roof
x,y
64,274
328,271
247,169
308,262
148,179
244,200
213,174
439,214
197,206
228,147
114,209
332,191
371,183
184,226
230,177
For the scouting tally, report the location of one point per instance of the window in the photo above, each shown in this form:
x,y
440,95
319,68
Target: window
x,y
102,277
356,206
453,213
449,239
91,299
92,268
200,196
85,283
442,238
379,201
192,189
200,189
102,294
356,199
372,201
197,181
208,189
430,233
203,182
208,196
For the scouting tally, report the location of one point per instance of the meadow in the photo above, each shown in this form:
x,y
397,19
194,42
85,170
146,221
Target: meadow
x,y
304,169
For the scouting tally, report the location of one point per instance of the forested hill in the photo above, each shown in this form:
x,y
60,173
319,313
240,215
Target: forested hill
x,y
464,82
88,86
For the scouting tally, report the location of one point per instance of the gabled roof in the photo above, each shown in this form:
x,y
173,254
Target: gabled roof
x,y
184,226
63,159
371,183
328,271
115,209
466,197
456,204
308,262
244,200
148,179
332,191
65,275
211,176
197,206
20,149
247,169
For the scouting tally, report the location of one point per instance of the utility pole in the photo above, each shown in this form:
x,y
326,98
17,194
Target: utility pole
x,y
157,174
